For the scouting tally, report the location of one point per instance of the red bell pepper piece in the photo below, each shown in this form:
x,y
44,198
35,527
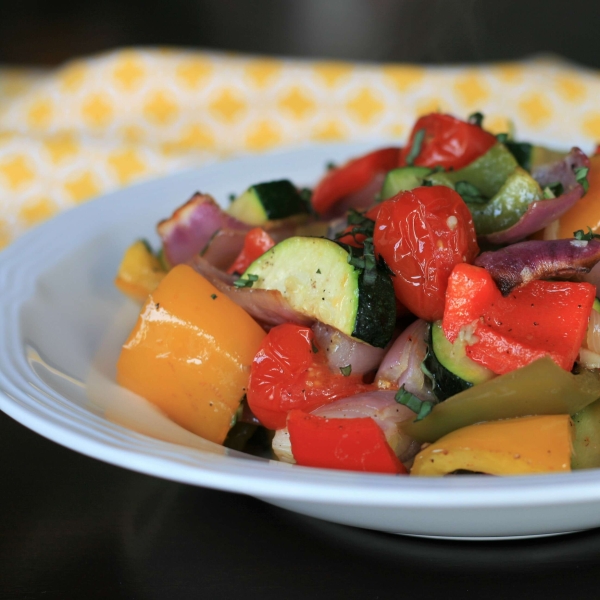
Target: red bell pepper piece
x,y
352,176
256,243
542,318
290,372
346,444
447,141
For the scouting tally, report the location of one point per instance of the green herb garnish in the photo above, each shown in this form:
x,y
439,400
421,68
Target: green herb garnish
x,y
581,174
585,237
502,138
346,370
330,165
469,193
246,282
213,296
415,149
422,408
552,190
476,118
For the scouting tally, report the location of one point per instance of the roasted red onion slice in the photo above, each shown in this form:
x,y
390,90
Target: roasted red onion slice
x,y
401,366
538,215
342,350
268,307
562,170
516,265
378,405
224,247
543,212
191,227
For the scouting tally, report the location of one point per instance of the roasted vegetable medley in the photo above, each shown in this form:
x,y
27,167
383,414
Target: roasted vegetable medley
x,y
426,310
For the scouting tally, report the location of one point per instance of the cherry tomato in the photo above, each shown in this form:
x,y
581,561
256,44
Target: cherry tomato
x,y
352,176
256,243
421,234
290,372
447,141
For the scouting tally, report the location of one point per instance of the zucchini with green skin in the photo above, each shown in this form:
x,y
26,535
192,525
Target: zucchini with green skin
x,y
267,202
408,178
448,365
317,278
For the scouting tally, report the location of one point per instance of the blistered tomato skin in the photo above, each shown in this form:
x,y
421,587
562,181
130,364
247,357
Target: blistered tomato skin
x,y
422,234
290,372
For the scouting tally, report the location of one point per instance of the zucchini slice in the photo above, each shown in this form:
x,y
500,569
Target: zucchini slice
x,y
317,279
451,370
408,178
268,201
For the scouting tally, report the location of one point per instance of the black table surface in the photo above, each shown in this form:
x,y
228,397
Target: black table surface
x,y
74,527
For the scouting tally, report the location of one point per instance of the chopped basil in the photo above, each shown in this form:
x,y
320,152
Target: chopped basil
x,y
581,177
420,407
213,296
415,149
330,165
469,193
476,119
502,138
522,152
346,370
427,183
245,282
585,237
552,190
231,197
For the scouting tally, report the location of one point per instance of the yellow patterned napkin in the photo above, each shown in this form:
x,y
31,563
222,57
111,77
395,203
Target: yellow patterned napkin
x,y
101,123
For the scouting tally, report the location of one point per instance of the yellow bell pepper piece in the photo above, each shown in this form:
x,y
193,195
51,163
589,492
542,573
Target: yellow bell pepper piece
x,y
139,272
524,445
190,353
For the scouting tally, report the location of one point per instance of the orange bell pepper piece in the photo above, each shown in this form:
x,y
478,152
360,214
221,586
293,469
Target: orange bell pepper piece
x,y
190,353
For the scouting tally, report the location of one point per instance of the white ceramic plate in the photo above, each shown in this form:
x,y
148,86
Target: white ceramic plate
x,y
61,326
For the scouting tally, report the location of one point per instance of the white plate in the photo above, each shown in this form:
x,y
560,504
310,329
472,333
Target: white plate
x,y
61,326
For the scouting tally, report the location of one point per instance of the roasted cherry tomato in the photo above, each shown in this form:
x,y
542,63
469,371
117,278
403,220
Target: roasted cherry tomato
x,y
421,234
289,372
445,141
352,176
256,243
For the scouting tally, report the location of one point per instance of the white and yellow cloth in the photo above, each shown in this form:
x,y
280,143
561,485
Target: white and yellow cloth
x,y
97,124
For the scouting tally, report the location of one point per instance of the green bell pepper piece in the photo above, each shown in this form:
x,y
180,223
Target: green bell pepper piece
x,y
586,441
488,172
540,388
510,203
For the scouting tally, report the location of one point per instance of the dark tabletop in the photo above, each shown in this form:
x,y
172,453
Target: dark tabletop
x,y
74,527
